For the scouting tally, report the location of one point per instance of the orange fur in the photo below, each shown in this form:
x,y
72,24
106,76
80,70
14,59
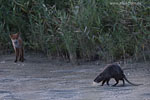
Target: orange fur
x,y
18,46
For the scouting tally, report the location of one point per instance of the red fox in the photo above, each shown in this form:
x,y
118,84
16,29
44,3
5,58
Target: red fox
x,y
18,46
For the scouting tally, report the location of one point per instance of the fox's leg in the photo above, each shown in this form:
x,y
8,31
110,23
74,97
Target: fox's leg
x,y
17,54
20,54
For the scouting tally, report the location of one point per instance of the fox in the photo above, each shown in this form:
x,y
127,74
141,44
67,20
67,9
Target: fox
x,y
17,43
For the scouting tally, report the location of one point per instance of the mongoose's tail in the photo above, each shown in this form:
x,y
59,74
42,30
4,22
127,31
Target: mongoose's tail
x,y
131,82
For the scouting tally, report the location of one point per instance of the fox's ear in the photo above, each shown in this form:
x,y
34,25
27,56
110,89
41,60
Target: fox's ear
x,y
10,35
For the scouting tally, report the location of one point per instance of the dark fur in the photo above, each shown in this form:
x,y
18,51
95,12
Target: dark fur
x,y
112,71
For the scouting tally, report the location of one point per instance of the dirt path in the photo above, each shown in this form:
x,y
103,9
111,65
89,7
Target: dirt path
x,y
41,79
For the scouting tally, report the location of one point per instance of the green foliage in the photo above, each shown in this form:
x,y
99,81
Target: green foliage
x,y
88,29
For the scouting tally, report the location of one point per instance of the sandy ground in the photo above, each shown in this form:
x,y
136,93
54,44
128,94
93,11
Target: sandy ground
x,y
39,78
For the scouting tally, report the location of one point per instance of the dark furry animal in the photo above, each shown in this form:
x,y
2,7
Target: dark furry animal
x,y
112,71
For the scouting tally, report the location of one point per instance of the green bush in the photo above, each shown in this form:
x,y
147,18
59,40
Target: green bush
x,y
73,29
